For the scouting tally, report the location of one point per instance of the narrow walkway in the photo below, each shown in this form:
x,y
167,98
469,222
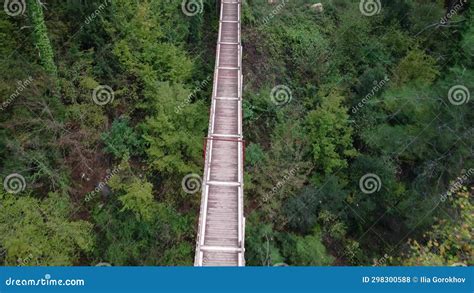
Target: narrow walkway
x,y
220,239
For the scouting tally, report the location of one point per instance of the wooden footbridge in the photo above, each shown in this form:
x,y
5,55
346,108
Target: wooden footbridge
x,y
220,239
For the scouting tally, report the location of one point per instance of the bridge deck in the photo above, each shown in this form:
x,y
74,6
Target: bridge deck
x,y
220,240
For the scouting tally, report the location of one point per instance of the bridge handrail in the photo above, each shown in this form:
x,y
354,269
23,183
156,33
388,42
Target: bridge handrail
x,y
208,147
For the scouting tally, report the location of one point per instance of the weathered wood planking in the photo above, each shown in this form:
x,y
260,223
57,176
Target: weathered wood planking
x,y
220,239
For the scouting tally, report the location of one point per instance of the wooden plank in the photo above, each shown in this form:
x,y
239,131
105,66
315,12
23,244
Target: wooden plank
x,y
221,223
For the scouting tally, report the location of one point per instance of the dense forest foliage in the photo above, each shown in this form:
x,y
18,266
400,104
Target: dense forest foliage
x,y
357,121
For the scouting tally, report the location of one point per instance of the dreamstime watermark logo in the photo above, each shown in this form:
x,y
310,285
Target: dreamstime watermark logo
x,y
97,12
459,95
370,7
191,183
378,85
14,7
451,13
103,94
22,84
192,95
289,175
370,183
103,183
281,95
25,261
381,261
458,183
44,281
274,12
192,7
14,183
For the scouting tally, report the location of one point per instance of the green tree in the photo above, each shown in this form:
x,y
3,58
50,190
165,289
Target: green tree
x,y
138,230
302,210
310,251
39,232
416,67
261,247
40,35
138,199
122,140
330,135
449,242
174,139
